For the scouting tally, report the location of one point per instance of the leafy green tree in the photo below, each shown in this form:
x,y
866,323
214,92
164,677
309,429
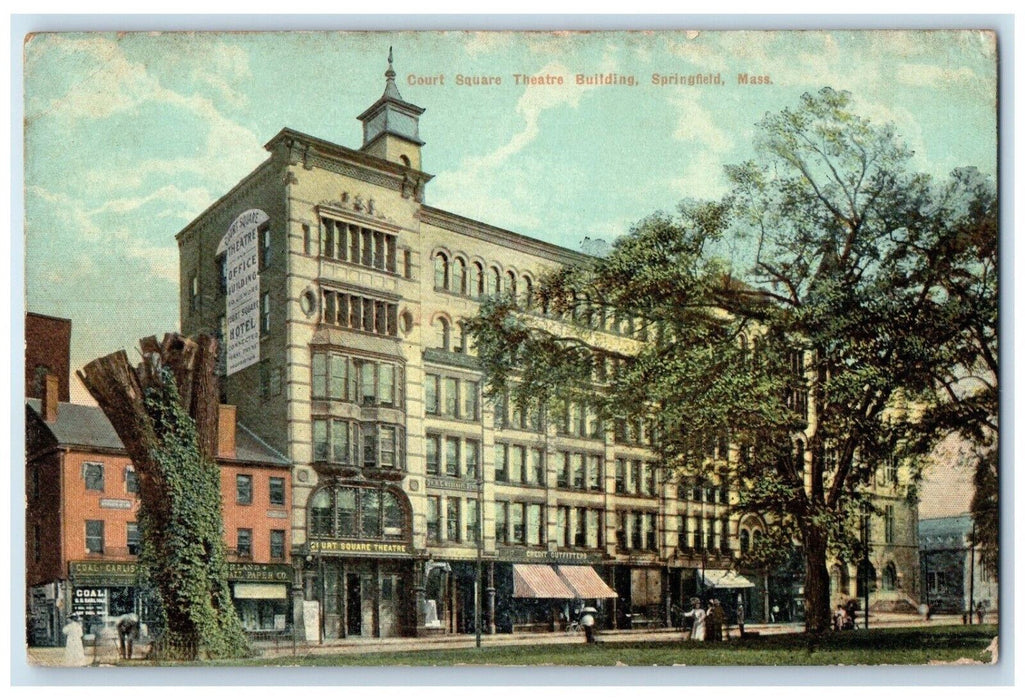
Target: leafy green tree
x,y
794,383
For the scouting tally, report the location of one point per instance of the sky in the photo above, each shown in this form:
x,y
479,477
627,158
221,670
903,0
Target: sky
x,y
128,137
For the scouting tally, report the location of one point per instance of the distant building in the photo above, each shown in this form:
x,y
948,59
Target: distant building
x,y
81,522
951,580
47,352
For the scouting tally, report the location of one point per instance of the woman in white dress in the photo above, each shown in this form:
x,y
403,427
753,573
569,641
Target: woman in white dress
x,y
74,653
698,632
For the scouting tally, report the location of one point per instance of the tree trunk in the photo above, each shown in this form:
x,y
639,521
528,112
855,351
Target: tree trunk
x,y
816,580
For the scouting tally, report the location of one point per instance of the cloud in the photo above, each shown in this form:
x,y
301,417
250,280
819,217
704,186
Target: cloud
x,y
696,125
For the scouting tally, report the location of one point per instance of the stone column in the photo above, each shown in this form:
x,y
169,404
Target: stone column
x,y
420,596
491,598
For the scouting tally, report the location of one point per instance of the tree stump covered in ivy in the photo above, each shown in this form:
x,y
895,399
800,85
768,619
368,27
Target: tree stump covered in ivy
x,y
165,412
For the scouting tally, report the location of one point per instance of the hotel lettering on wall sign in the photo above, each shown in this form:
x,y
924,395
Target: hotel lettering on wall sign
x,y
240,246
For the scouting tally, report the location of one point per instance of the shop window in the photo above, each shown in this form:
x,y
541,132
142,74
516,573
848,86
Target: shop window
x,y
94,536
243,489
92,472
277,490
134,538
244,542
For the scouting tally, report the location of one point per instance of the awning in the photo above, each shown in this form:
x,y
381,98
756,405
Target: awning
x,y
261,591
724,578
586,582
538,581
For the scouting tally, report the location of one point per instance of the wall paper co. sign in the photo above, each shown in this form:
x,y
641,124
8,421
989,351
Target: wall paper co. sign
x,y
242,265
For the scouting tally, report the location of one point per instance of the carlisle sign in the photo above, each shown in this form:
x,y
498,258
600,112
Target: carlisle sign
x,y
242,274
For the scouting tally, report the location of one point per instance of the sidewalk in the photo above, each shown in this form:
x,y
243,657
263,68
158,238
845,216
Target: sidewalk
x,y
367,645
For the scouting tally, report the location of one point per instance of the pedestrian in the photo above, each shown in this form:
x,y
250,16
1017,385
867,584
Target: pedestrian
x,y
587,622
979,612
127,633
698,630
74,652
740,613
839,618
715,620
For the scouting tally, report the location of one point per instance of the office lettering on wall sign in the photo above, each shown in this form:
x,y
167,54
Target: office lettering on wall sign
x,y
240,246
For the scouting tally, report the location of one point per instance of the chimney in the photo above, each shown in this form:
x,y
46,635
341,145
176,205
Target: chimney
x,y
51,394
226,431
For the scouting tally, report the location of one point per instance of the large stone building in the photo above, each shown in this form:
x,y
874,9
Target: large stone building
x,y
366,381
954,577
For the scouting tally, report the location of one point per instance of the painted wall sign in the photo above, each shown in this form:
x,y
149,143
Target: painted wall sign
x,y
116,503
111,573
359,548
241,246
89,601
522,555
451,484
238,571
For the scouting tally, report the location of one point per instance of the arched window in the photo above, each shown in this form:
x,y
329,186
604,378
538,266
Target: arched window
x,y
444,330
441,271
494,282
510,284
890,577
476,280
357,512
528,292
461,338
459,276
745,540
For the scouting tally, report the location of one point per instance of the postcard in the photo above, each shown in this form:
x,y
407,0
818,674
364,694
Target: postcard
x,y
577,348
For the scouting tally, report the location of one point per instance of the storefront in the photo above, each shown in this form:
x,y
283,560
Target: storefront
x,y
100,590
364,588
541,591
260,593
643,593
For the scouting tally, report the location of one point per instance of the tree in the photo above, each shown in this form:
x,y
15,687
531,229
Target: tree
x,y
795,382
165,413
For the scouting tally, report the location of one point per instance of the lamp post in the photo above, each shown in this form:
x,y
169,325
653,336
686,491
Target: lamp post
x,y
478,582
865,564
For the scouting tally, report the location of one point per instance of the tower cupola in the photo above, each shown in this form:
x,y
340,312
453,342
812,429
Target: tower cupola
x,y
391,126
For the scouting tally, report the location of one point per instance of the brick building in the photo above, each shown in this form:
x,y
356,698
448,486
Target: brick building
x,y
81,524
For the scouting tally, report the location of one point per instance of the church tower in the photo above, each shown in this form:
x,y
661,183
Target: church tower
x,y
391,126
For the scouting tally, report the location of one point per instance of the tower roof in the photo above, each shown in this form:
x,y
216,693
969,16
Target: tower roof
x,y
400,118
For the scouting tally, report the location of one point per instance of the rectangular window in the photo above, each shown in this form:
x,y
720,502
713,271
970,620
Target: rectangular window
x,y
94,536
516,459
133,538
578,471
579,527
320,444
501,468
389,446
37,542
470,390
131,480
561,526
562,476
472,458
472,520
889,522
452,456
319,372
431,393
92,472
535,534
386,384
537,466
243,489
501,522
452,520
622,535
277,490
516,520
369,445
636,531
265,248
451,397
594,472
620,476
650,541
681,532
593,528
244,542
277,544
339,377
434,519
367,383
265,313
433,450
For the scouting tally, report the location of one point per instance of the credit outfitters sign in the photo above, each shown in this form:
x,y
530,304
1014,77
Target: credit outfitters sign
x,y
242,269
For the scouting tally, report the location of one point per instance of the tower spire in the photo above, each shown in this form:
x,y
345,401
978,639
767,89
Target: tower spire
x,y
391,126
390,88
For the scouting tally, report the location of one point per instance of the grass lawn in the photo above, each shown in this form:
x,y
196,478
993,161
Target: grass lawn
x,y
862,647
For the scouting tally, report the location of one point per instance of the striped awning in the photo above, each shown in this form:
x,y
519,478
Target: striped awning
x,y
724,578
586,582
538,581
